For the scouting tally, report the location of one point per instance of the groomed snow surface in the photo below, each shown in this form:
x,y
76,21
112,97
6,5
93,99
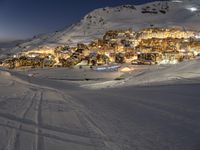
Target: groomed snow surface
x,y
151,108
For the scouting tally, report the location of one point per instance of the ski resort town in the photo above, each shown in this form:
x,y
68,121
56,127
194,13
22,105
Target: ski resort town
x,y
144,47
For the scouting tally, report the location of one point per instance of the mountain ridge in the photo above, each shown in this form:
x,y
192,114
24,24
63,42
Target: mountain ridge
x,y
94,24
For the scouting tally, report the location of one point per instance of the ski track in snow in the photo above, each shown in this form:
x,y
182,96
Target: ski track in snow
x,y
160,101
152,109
45,117
91,132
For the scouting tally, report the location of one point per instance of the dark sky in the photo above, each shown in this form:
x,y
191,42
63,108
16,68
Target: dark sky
x,y
20,19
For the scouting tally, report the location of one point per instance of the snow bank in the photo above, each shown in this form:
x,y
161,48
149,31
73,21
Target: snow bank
x,y
4,74
185,72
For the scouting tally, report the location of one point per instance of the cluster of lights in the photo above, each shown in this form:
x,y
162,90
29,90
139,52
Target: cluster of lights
x,y
107,68
188,6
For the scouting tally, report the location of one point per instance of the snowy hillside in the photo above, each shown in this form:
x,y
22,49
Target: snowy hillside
x,y
150,107
97,22
45,114
187,72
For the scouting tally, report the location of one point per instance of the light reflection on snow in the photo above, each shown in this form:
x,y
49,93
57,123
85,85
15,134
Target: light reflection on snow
x,y
192,8
177,1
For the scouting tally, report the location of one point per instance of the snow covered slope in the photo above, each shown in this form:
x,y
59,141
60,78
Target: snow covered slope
x,y
44,114
187,72
97,22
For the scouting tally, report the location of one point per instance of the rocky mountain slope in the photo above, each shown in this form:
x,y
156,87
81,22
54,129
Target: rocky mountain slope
x,y
97,22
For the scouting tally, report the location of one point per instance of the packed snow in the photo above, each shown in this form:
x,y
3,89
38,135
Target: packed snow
x,y
151,107
135,108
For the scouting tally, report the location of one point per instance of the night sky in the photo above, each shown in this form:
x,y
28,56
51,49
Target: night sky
x,y
20,19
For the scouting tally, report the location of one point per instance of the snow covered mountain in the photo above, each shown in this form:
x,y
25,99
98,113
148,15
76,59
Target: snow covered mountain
x,y
183,13
152,107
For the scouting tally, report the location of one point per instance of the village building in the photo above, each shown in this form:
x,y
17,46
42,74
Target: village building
x,y
148,46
